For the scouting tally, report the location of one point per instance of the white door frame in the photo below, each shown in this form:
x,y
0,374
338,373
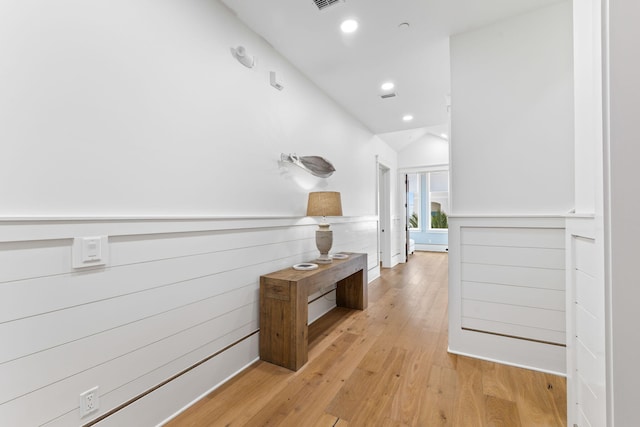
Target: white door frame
x,y
423,169
383,197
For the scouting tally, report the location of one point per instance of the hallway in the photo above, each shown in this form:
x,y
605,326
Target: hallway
x,y
386,366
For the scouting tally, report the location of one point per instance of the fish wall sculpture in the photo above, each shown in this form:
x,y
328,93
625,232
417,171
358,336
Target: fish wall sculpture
x,y
315,165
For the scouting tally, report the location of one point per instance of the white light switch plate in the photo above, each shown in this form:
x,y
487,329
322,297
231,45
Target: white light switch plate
x,y
90,251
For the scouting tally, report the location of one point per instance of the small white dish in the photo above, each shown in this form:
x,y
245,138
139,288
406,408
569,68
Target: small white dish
x,y
305,266
340,256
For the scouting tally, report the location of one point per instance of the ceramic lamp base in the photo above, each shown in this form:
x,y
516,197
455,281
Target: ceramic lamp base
x,y
324,241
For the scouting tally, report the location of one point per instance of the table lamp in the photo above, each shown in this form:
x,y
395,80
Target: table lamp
x,y
324,204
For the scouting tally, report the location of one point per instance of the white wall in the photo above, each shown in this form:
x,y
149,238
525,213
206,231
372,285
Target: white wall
x,y
511,168
138,108
512,133
623,203
132,120
587,59
429,150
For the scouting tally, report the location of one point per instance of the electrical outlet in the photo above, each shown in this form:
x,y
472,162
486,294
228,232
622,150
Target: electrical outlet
x,y
89,402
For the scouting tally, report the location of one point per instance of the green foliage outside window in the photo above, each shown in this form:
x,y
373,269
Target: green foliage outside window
x,y
413,220
439,220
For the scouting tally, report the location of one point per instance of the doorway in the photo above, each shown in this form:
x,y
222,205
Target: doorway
x,y
427,209
384,214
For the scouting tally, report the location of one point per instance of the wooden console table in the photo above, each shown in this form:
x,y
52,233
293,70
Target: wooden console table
x,y
284,305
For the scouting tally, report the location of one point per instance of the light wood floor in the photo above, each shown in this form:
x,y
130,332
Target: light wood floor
x,y
386,366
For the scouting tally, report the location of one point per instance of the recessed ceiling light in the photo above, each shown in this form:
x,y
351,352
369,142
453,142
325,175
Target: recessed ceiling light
x,y
407,118
349,26
387,86
404,25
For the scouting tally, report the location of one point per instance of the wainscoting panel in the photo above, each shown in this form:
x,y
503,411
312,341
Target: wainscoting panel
x,y
513,315
586,356
179,296
508,237
520,296
512,330
550,259
523,277
512,304
507,289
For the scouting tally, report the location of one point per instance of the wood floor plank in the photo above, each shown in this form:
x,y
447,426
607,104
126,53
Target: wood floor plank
x,y
349,397
325,420
557,388
469,406
386,366
501,413
498,381
535,402
413,388
314,379
387,422
376,404
437,406
442,356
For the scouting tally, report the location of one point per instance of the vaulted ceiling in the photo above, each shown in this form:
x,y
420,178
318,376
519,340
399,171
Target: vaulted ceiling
x,y
402,41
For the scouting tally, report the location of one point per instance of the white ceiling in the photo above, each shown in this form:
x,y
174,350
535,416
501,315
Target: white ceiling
x,y
351,67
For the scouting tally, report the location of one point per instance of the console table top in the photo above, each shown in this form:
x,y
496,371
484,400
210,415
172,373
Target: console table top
x,y
293,275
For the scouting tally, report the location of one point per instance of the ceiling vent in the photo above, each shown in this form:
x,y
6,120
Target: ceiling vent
x,y
325,3
388,95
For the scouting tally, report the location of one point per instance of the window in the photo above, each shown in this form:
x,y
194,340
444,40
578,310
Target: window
x,y
428,200
438,199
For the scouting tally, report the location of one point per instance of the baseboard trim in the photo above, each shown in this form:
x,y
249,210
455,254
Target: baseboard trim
x,y
432,248
506,362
